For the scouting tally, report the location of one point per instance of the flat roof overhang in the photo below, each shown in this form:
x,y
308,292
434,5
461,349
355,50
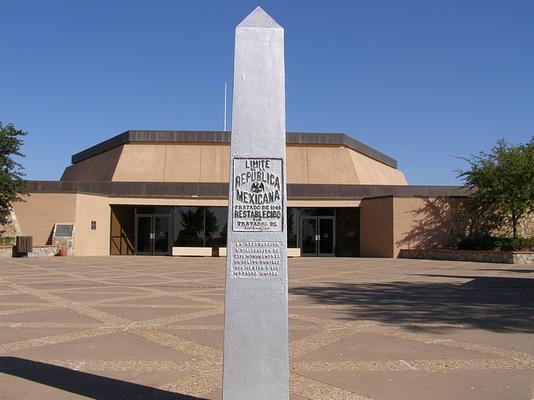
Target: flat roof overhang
x,y
304,138
220,190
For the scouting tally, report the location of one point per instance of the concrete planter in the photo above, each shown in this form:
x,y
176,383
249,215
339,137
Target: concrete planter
x,y
505,257
38,251
6,251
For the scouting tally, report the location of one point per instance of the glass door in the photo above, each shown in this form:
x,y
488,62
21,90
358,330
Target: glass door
x,y
309,236
152,234
143,234
161,234
317,236
326,236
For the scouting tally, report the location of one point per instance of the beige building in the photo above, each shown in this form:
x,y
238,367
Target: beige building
x,y
165,192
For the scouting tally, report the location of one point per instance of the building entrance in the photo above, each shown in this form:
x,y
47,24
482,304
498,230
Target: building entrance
x,y
317,235
156,230
152,234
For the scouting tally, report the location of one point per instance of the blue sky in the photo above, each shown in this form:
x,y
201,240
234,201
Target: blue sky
x,y
422,81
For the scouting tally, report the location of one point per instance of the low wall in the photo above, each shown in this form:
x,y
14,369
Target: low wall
x,y
6,251
43,251
506,257
192,251
217,251
38,251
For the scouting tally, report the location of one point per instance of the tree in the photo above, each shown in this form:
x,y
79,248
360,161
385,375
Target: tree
x,y
12,184
501,183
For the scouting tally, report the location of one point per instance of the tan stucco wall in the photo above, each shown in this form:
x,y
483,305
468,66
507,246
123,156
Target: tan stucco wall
x,y
92,242
328,165
390,224
372,172
183,162
297,165
40,211
215,163
173,163
323,203
408,216
98,168
145,163
148,201
338,165
376,227
428,223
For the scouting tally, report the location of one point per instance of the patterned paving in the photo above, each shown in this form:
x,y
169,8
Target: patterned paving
x,y
152,328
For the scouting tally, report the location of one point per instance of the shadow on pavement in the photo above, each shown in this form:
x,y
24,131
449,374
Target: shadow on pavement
x,y
82,383
519,271
496,304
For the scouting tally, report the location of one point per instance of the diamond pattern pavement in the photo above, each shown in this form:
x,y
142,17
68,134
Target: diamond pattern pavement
x,y
152,328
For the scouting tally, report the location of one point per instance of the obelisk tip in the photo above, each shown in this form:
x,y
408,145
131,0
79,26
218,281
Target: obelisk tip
x,y
259,19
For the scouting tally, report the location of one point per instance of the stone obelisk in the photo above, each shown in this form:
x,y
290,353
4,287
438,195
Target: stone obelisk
x,y
256,325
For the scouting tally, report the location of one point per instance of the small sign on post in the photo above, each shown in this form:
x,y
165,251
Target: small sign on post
x,y
63,238
63,230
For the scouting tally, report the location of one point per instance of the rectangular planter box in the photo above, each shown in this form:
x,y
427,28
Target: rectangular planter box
x,y
43,251
38,251
192,251
6,251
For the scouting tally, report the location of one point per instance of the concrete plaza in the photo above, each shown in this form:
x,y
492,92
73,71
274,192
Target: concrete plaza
x,y
152,328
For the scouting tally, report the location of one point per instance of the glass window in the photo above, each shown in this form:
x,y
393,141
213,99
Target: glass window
x,y
347,232
189,227
200,226
216,226
292,227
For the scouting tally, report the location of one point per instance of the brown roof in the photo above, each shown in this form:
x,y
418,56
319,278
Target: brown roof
x,y
224,137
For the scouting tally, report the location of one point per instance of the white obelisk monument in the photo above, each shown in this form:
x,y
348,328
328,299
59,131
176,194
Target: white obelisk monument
x,y
256,325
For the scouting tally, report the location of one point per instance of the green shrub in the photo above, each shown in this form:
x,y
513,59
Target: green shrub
x,y
481,241
487,242
6,240
515,244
